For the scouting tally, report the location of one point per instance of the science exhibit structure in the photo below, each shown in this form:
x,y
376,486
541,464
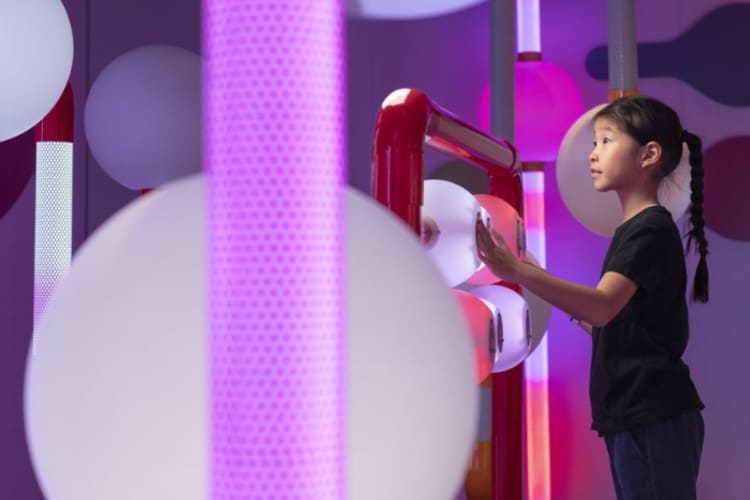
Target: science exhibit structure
x,y
443,216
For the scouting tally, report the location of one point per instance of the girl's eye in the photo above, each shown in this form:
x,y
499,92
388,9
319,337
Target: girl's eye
x,y
605,140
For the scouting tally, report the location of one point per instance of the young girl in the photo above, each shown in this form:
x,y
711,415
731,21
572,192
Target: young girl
x,y
643,400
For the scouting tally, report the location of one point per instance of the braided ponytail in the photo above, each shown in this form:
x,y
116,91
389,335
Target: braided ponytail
x,y
696,236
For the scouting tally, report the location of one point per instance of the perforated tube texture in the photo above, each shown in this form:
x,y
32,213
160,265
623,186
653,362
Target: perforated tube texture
x,y
274,149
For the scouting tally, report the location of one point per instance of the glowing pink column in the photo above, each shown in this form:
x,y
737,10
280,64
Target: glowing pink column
x,y
536,366
274,146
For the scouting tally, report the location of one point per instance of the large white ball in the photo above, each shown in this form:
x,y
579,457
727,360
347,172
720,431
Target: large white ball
x,y
116,398
601,212
413,398
36,51
143,116
513,324
452,210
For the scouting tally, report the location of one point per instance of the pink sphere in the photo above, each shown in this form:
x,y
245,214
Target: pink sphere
x,y
547,103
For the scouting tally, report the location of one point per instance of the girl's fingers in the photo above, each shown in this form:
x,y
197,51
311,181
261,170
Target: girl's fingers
x,y
486,236
498,237
481,237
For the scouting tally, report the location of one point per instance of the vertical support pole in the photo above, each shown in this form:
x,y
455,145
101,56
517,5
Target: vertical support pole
x,y
53,220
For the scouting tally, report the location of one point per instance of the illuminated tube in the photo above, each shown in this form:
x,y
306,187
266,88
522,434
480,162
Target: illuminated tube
x,y
529,32
536,379
536,385
53,217
274,151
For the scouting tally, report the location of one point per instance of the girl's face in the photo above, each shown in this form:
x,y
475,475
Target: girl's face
x,y
614,160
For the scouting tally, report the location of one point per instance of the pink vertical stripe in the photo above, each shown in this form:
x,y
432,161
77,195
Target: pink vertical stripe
x,y
538,485
537,440
274,134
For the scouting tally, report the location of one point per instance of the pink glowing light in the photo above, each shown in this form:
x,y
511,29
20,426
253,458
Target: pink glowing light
x,y
535,222
547,103
537,435
536,369
274,144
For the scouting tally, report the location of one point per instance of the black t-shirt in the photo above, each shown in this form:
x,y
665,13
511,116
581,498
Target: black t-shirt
x,y
637,373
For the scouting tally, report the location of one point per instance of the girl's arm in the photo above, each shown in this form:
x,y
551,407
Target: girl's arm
x,y
596,306
586,327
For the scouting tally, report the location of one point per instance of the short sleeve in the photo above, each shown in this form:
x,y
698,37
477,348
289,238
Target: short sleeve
x,y
638,255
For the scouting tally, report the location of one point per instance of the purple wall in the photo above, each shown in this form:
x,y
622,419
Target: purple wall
x,y
447,57
16,268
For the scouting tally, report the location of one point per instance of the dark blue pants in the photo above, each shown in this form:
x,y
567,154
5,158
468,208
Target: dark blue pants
x,y
658,461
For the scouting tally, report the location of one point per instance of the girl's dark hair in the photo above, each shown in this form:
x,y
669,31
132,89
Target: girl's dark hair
x,y
647,119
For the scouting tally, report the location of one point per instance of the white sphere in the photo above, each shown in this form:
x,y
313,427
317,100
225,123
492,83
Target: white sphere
x,y
513,325
116,397
143,116
36,50
601,212
453,211
413,398
400,9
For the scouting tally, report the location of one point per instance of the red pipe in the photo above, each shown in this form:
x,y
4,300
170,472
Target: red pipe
x,y
398,156
407,121
57,126
507,387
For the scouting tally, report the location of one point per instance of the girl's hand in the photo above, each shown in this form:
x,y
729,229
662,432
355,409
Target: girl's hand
x,y
495,254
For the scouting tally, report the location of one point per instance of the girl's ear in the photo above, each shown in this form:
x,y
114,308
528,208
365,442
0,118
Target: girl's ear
x,y
651,154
